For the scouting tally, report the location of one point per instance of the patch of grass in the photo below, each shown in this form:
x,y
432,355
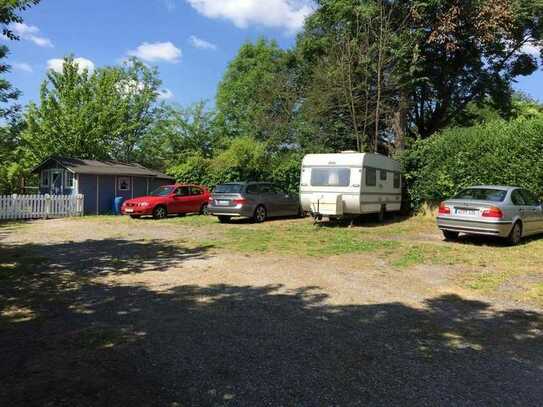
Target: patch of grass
x,y
300,239
487,281
535,294
413,256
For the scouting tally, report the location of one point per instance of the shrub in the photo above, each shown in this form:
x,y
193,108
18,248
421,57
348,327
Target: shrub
x,y
194,169
286,167
497,153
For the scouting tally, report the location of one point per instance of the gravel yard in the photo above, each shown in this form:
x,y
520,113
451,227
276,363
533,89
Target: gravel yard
x,y
187,312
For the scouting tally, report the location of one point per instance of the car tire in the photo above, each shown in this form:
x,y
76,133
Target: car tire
x,y
160,212
516,234
260,214
135,216
204,210
450,235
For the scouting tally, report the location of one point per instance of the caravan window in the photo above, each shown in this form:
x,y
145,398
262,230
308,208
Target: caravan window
x,y
371,177
397,180
331,177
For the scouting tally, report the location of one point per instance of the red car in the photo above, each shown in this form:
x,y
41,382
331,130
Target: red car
x,y
167,200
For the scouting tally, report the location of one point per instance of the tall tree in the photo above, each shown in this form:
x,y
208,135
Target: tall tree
x,y
177,133
471,52
444,54
9,13
356,72
102,115
255,97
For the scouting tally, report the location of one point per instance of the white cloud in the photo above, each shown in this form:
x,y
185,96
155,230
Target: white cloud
x,y
200,43
165,94
532,49
158,51
30,33
57,64
22,66
289,14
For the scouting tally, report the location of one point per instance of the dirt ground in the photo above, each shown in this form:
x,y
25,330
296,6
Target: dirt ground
x,y
188,312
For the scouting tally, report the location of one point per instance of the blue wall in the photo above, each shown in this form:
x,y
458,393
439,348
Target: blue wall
x,y
101,190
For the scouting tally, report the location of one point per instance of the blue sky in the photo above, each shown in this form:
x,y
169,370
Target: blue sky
x,y
190,41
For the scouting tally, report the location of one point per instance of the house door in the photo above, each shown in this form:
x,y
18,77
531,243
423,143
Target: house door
x,y
56,182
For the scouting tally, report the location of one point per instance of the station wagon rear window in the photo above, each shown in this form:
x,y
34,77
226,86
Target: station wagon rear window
x,y
330,177
482,194
228,189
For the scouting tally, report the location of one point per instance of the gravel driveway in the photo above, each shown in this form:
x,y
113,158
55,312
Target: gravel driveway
x,y
112,313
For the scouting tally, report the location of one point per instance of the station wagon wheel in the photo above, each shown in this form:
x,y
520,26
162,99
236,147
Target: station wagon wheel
x,y
516,234
204,210
260,214
160,212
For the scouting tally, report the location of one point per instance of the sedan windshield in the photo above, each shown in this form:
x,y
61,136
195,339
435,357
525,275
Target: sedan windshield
x,y
162,191
482,194
228,189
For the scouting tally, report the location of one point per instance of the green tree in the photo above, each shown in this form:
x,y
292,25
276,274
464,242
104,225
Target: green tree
x,y
179,132
255,97
355,72
9,13
458,52
101,115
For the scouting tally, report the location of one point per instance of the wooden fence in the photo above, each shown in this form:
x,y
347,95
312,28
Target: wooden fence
x,y
40,206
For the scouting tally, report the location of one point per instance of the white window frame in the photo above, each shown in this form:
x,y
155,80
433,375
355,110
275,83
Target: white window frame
x,y
66,174
119,180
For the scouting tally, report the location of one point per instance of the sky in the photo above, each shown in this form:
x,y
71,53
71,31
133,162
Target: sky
x,y
190,41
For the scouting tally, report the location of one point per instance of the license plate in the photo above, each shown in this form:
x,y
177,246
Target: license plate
x,y
223,203
467,212
129,210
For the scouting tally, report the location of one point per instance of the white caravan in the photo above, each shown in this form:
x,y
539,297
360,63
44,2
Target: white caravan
x,y
350,184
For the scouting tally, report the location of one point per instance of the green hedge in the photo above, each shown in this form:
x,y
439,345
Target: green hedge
x,y
497,153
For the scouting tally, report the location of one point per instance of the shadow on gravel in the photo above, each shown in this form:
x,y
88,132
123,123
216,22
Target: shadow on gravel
x,y
365,221
68,341
492,241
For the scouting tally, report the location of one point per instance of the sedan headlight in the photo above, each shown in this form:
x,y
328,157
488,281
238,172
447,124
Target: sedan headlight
x,y
144,204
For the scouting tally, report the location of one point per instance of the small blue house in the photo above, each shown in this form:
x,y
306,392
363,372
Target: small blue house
x,y
99,181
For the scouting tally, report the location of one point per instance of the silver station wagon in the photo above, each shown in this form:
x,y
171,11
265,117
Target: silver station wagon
x,y
507,212
256,200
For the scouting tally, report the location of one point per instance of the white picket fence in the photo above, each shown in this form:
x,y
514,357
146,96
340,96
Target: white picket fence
x,y
40,206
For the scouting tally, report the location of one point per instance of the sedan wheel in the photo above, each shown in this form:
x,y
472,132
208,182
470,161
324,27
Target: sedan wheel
x,y
160,212
516,234
260,214
205,210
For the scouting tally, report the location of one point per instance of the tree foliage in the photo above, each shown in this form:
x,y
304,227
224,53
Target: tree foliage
x,y
9,14
105,114
255,97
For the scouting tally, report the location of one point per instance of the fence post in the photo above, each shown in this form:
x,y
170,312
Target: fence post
x,y
47,206
14,208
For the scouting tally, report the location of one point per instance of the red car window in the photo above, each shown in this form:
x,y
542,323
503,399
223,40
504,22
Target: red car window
x,y
196,191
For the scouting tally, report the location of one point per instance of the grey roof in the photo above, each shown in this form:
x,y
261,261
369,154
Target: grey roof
x,y
96,167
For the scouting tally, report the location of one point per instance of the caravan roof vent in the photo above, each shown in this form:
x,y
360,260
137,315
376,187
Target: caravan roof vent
x,y
349,152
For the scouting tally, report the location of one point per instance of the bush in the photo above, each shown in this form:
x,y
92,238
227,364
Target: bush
x,y
286,168
195,169
498,153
